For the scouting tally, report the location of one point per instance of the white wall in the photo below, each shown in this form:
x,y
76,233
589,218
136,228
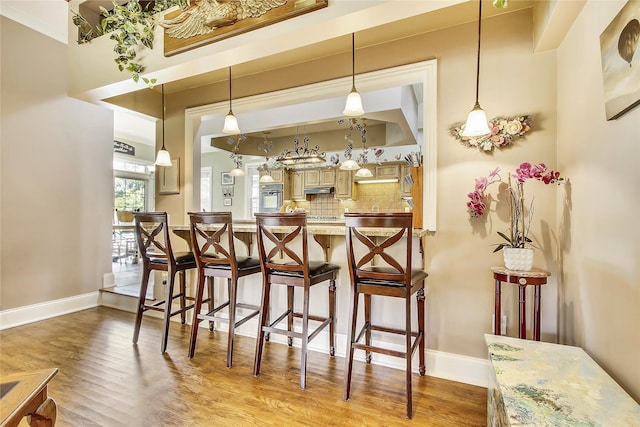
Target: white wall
x,y
599,289
56,177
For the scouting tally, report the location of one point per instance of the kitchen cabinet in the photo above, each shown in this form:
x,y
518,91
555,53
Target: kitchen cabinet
x,y
311,177
277,175
386,172
297,185
344,184
328,177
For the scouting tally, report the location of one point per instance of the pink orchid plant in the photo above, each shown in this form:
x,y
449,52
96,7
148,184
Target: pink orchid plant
x,y
519,227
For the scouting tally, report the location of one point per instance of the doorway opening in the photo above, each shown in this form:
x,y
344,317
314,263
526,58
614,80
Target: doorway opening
x,y
132,192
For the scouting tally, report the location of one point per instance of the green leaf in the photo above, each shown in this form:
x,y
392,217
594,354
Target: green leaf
x,y
499,247
504,236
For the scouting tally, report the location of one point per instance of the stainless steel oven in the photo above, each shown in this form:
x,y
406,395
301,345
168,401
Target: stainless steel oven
x,y
270,198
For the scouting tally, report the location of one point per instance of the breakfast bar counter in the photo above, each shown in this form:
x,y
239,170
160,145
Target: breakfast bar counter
x,y
322,232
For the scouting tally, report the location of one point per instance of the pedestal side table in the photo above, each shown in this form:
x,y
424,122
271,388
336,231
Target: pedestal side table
x,y
535,277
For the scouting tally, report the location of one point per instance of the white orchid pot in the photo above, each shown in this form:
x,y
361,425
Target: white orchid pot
x,y
520,259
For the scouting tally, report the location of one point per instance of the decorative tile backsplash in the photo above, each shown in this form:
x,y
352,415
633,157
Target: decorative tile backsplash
x,y
370,198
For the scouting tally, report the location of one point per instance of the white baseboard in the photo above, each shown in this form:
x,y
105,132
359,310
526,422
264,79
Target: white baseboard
x,y
454,367
46,310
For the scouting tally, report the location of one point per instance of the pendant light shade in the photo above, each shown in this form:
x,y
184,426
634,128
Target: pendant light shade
x,y
364,173
266,178
237,172
230,122
350,165
353,107
477,124
163,158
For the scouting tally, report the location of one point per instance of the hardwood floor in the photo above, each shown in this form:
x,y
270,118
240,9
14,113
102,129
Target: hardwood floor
x,y
105,380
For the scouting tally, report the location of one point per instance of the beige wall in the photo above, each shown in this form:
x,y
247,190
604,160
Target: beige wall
x,y
56,176
599,289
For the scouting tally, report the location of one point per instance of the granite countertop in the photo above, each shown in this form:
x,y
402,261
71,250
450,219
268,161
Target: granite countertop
x,y
327,228
545,384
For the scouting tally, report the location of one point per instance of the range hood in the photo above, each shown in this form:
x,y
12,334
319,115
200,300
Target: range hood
x,y
319,190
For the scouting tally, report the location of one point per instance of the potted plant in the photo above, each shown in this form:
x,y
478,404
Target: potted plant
x,y
131,26
517,246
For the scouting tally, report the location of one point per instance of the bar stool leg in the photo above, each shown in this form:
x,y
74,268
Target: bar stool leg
x,y
183,296
407,303
233,287
421,333
264,310
351,331
367,319
290,298
196,312
332,315
305,337
167,311
144,283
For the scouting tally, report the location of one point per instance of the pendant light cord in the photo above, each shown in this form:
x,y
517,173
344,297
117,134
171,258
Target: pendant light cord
x,y
478,62
230,90
353,61
163,108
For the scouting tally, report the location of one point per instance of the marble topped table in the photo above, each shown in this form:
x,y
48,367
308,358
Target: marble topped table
x,y
536,383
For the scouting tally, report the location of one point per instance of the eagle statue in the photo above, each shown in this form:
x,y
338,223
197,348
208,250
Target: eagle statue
x,y
204,16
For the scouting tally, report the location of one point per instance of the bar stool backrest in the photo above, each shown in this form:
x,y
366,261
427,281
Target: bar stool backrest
x,y
369,256
282,242
152,233
212,239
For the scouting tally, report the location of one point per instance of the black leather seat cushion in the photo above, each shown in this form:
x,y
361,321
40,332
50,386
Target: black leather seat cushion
x,y
316,268
416,275
181,258
244,263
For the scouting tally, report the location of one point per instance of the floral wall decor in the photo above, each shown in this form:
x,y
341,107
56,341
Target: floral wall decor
x,y
517,236
504,131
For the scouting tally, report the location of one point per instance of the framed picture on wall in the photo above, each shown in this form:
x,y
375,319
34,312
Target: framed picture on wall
x,y
169,177
227,179
226,201
620,55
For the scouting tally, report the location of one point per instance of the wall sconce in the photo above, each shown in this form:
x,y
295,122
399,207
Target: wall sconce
x,y
477,124
353,106
230,121
163,158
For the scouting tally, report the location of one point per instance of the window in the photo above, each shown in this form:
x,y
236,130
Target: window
x,y
129,194
253,183
205,188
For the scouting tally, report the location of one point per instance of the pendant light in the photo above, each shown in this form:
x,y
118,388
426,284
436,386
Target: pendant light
x,y
237,158
349,164
477,124
163,158
266,146
230,122
353,106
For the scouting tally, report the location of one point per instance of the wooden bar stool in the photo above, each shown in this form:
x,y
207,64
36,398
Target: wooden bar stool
x,y
214,249
284,258
152,233
376,272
